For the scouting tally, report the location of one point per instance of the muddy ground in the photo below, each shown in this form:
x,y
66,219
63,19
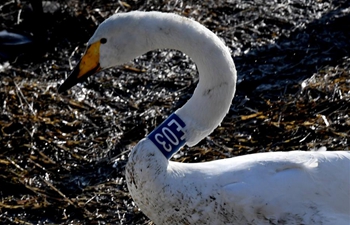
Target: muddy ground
x,y
62,157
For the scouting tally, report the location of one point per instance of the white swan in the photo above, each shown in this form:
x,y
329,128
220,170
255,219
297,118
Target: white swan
x,y
267,188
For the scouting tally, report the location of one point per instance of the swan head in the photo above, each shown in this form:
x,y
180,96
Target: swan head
x,y
116,41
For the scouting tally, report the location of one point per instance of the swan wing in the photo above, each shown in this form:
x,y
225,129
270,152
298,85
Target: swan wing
x,y
292,188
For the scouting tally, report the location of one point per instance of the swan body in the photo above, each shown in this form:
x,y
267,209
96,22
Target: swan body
x,y
266,188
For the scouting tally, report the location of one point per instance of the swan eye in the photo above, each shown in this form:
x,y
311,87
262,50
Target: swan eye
x,y
103,40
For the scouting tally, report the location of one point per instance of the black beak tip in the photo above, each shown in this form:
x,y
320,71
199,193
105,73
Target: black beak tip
x,y
74,78
61,89
70,81
67,84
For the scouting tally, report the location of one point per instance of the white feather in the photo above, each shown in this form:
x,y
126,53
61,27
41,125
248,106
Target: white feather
x,y
267,188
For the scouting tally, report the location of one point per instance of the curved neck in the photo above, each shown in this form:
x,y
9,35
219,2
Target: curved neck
x,y
212,98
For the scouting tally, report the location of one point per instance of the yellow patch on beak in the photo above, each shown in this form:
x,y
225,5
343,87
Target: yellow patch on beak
x,y
90,60
88,65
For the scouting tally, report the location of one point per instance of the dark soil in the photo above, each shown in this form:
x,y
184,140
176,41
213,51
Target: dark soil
x,y
62,156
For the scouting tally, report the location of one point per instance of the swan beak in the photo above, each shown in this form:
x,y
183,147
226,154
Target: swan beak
x,y
88,65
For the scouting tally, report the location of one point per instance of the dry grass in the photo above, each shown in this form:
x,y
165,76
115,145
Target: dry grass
x,y
63,156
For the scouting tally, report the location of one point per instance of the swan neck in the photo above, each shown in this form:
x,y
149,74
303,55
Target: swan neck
x,y
212,97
